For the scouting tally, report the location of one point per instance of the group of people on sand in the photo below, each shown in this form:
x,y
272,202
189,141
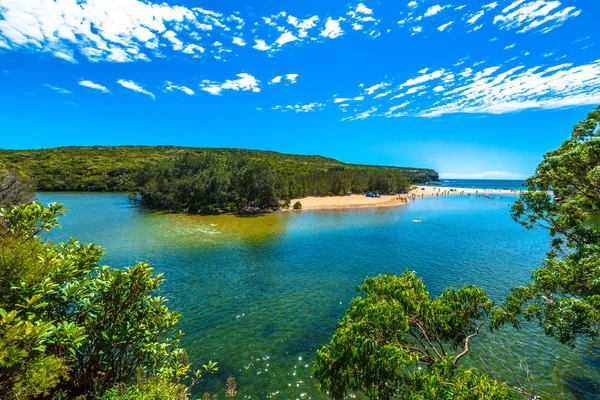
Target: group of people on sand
x,y
441,191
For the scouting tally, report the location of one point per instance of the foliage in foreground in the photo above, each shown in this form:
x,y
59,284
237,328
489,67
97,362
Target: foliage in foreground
x,y
564,294
396,341
70,327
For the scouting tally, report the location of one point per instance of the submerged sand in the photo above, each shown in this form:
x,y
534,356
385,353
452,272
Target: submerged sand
x,y
360,201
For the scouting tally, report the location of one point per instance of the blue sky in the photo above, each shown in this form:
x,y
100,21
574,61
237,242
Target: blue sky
x,y
470,88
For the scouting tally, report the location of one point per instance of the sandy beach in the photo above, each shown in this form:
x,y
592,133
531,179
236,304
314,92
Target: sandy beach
x,y
361,201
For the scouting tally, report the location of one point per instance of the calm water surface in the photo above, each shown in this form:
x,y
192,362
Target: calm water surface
x,y
260,295
510,184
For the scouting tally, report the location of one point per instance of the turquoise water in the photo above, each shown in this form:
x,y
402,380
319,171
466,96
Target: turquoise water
x,y
260,295
483,183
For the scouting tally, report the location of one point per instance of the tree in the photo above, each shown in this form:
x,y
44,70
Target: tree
x,y
71,326
15,188
563,197
396,341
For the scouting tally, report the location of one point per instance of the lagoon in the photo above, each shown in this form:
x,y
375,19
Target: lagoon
x,y
260,294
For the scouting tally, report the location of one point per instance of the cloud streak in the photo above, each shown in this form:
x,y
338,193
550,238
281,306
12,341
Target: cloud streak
x,y
131,85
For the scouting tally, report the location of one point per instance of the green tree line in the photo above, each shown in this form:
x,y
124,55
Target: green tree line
x,y
194,182
114,168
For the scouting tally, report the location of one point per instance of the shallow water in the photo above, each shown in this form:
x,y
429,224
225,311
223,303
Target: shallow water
x,y
260,294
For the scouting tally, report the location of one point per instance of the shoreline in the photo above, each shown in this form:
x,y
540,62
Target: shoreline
x,y
361,201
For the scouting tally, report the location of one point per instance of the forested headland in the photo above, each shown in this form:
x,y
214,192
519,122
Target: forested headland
x,y
201,179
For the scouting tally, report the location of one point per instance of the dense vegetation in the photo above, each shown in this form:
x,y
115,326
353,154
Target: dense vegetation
x,y
70,327
564,294
114,168
204,183
396,341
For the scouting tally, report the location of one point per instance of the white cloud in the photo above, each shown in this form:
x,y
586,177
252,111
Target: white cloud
x,y
416,29
100,30
261,45
441,28
473,18
415,89
361,16
363,115
537,14
169,86
193,48
300,108
212,89
59,90
332,29
412,4
92,85
131,85
286,37
245,82
392,111
383,94
343,100
374,88
362,9
303,26
494,92
490,6
483,175
239,41
172,37
64,56
423,78
510,46
290,78
433,10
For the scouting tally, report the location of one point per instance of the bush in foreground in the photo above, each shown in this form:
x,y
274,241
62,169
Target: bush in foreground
x,y
396,341
70,327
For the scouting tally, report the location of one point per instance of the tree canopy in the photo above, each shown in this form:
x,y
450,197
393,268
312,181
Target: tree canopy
x,y
113,168
564,198
70,327
396,341
193,182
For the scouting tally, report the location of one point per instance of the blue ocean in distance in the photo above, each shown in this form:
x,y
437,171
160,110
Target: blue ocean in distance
x,y
482,183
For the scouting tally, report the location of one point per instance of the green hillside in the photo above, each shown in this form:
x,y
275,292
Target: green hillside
x,y
115,168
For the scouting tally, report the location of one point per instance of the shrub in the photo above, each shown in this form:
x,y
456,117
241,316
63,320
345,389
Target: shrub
x,y
297,206
70,325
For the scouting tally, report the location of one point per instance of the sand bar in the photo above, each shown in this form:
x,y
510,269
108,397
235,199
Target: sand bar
x,y
361,201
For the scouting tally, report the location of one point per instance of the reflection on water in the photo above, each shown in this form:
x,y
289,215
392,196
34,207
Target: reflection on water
x,y
259,295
